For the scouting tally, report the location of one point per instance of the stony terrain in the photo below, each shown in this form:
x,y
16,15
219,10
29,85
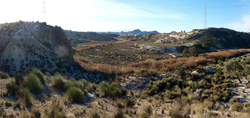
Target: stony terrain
x,y
141,80
211,39
27,45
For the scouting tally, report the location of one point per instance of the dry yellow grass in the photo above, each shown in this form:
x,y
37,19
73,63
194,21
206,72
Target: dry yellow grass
x,y
153,65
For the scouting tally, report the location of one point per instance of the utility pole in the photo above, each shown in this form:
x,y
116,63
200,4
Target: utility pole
x,y
205,17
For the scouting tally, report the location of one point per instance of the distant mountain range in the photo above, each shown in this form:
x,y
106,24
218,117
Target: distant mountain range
x,y
135,32
83,37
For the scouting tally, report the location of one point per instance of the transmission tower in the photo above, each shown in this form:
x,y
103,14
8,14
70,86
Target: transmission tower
x,y
205,16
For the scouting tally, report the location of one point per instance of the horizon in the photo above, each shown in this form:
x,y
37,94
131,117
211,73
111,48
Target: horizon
x,y
117,15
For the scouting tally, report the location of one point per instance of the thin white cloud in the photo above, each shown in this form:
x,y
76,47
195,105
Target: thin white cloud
x,y
84,15
243,24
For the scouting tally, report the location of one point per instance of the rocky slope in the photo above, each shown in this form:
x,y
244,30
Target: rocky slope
x,y
210,39
27,45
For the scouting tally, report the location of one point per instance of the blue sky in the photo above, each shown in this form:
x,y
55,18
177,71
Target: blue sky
x,y
117,15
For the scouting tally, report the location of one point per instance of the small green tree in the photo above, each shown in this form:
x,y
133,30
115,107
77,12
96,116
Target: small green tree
x,y
185,52
39,75
234,68
33,83
193,51
74,94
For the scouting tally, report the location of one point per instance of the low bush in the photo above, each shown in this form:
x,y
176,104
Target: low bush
x,y
56,110
18,79
115,90
3,75
119,114
145,111
111,90
119,73
208,104
59,83
12,88
129,103
220,62
35,113
180,109
93,114
233,67
33,83
237,106
180,71
39,75
104,89
74,94
233,100
144,72
26,97
78,84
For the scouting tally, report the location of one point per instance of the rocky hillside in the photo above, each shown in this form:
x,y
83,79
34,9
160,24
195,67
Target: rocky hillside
x,y
27,45
210,39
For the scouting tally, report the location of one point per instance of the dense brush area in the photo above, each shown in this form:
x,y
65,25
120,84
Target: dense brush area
x,y
218,88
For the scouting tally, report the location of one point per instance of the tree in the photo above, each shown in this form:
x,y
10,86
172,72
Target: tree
x,y
234,68
185,52
193,51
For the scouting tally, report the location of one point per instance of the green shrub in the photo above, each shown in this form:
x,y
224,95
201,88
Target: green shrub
x,y
180,109
104,89
57,73
119,73
144,72
165,70
193,51
12,88
26,97
115,90
39,75
59,83
237,106
35,113
180,71
233,100
145,111
208,104
74,94
18,79
185,52
129,103
220,62
33,83
56,110
3,75
78,84
111,90
119,114
234,67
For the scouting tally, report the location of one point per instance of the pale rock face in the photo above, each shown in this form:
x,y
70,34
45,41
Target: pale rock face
x,y
27,45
